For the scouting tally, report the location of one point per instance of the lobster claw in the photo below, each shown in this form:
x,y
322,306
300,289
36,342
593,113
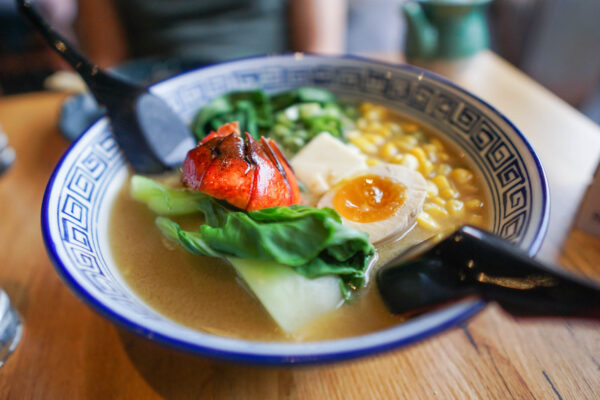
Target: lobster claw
x,y
247,174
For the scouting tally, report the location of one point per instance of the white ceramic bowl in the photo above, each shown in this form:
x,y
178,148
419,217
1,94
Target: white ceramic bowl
x,y
83,187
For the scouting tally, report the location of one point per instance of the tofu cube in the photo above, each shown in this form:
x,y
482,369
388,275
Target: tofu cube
x,y
324,161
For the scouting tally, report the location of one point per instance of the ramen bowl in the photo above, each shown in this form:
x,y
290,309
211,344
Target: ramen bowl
x,y
85,183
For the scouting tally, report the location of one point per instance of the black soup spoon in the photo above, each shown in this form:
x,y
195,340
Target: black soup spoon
x,y
473,262
152,137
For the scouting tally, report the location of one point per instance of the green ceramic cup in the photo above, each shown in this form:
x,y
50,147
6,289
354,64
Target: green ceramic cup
x,y
445,29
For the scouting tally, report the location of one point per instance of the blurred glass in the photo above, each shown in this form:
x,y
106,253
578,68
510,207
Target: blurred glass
x,y
10,322
11,328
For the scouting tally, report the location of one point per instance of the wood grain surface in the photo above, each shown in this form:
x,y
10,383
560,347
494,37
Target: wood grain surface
x,y
70,352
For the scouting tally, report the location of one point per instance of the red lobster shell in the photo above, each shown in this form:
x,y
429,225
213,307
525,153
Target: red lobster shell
x,y
248,174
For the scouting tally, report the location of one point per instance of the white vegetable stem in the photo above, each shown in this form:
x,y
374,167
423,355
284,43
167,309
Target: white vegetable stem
x,y
290,298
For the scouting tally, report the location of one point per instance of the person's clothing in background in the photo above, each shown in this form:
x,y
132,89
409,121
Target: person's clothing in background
x,y
203,32
375,26
164,37
25,59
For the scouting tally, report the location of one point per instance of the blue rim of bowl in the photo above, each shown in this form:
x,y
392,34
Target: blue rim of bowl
x,y
289,359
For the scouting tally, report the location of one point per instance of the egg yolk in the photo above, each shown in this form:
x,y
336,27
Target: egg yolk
x,y
368,198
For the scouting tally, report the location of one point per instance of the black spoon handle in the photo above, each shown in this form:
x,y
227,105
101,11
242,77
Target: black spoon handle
x,y
499,271
103,86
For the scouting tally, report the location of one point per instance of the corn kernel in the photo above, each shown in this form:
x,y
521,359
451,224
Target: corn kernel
x,y
409,127
420,136
455,208
432,190
397,159
364,145
375,114
361,123
443,169
352,134
441,182
449,193
461,176
429,148
374,126
435,210
410,161
366,106
437,143
372,115
374,138
419,153
406,143
372,161
431,152
379,129
439,201
426,168
388,150
393,127
426,221
474,204
443,156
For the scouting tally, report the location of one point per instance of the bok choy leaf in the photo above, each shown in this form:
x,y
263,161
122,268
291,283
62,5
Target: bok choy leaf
x,y
310,240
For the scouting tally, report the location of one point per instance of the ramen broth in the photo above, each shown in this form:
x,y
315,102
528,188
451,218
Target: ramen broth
x,y
204,293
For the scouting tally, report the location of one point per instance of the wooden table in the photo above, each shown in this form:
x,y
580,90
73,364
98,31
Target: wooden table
x,y
70,352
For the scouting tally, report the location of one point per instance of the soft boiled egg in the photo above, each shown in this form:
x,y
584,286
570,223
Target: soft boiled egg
x,y
382,200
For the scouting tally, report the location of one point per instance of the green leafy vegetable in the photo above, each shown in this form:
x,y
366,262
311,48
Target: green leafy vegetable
x,y
292,117
163,200
301,95
252,109
312,241
324,123
297,124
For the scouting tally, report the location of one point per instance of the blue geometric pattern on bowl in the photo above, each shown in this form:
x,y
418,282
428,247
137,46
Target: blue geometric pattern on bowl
x,y
80,193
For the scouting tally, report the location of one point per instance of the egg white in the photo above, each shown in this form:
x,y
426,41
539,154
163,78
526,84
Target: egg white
x,y
405,215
